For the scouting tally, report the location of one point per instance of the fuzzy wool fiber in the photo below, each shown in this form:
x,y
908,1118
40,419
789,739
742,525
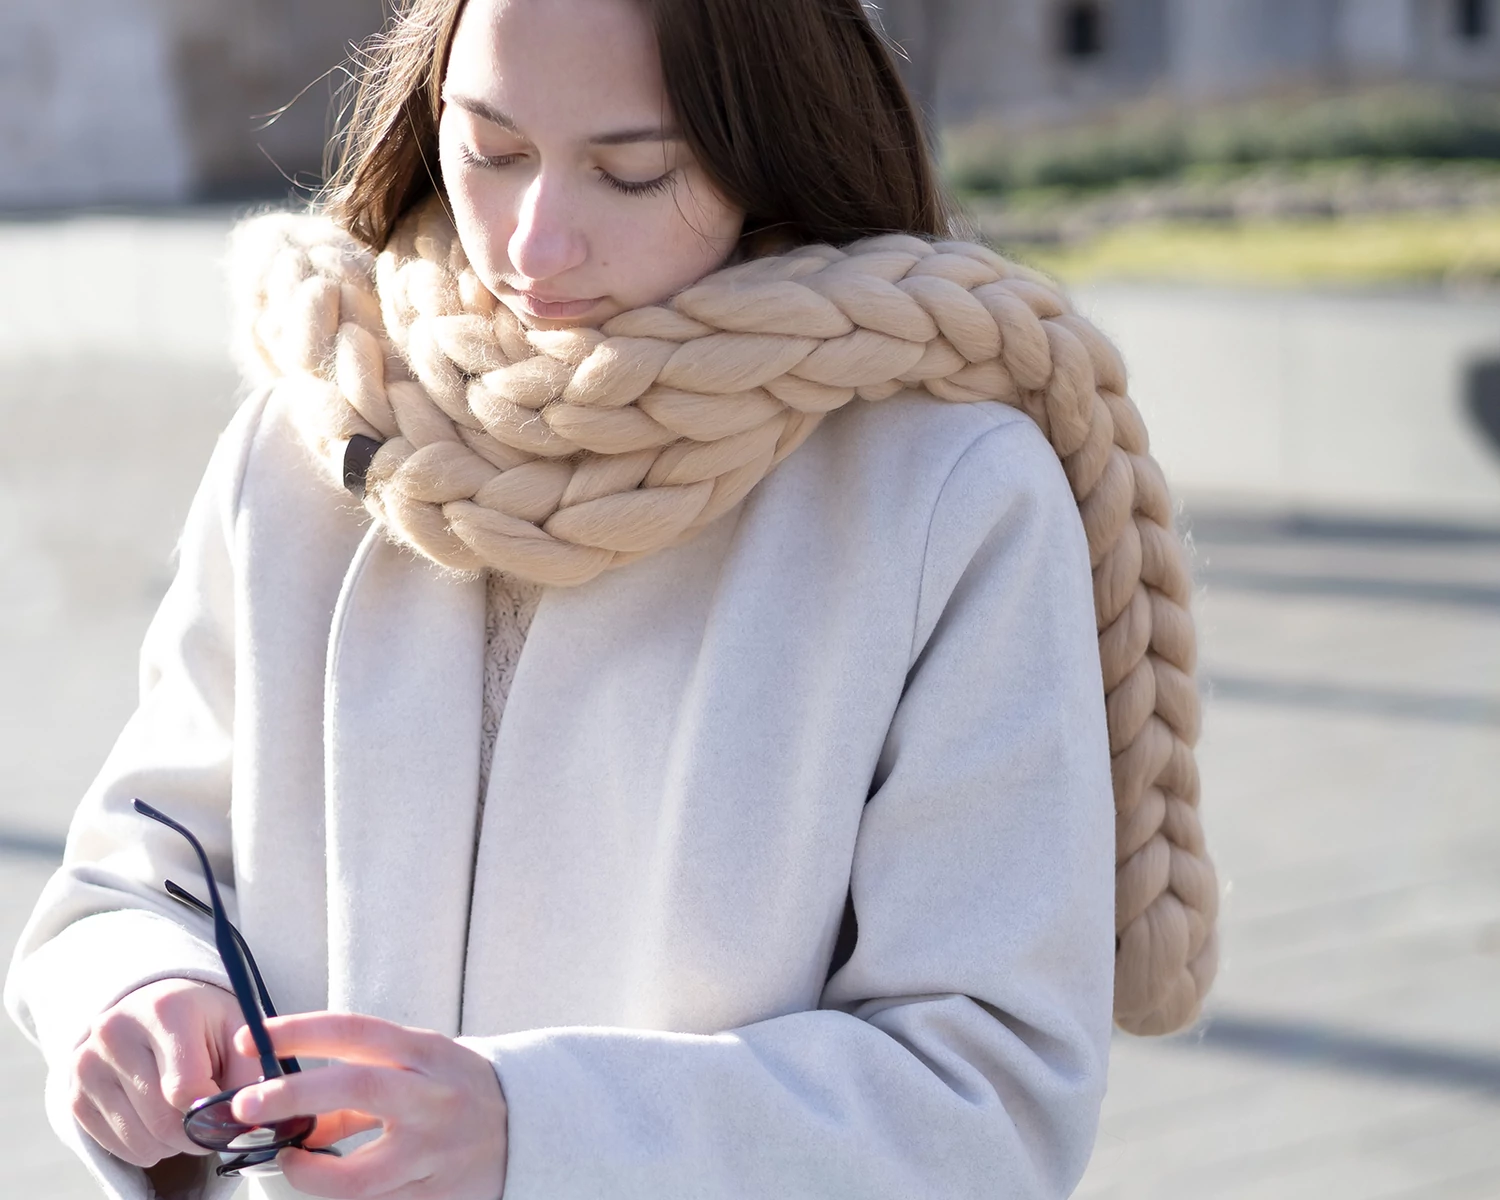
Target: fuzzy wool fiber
x,y
554,455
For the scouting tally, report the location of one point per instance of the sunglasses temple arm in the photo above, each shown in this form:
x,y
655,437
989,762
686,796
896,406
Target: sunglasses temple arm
x,y
178,892
229,951
290,1065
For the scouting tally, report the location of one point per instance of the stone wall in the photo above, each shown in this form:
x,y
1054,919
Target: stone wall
x,y
973,58
1439,54
1232,47
88,112
234,62
149,101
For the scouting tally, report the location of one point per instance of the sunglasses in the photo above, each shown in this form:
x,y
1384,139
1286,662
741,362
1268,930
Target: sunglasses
x,y
209,1122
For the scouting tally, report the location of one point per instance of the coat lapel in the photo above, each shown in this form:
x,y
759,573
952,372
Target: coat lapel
x,y
402,700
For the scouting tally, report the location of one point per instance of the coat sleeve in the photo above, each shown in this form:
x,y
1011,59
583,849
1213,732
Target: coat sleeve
x,y
961,1051
103,925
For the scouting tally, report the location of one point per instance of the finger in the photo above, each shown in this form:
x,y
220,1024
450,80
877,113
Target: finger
x,y
352,1037
95,1124
238,1070
183,1041
387,1092
237,1066
137,1074
374,1169
135,1142
336,1126
102,1107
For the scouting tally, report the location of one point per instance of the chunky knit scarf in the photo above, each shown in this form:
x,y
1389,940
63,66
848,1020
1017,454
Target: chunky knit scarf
x,y
555,455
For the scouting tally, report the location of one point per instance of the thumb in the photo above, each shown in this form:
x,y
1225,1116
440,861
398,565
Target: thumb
x,y
185,1080
241,1063
185,1058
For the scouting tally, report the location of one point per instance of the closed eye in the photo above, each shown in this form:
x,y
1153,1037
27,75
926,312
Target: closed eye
x,y
625,187
480,160
647,188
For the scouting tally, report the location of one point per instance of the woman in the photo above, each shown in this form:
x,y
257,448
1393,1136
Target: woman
x,y
790,869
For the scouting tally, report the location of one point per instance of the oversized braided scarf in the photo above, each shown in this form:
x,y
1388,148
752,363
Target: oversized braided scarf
x,y
556,455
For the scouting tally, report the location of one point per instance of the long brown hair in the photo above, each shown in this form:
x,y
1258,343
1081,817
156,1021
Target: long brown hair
x,y
794,109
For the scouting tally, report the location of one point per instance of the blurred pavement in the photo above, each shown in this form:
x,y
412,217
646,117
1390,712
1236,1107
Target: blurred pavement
x,y
1353,401
1351,754
113,385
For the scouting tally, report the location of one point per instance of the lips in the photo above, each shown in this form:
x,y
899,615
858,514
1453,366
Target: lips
x,y
544,298
540,306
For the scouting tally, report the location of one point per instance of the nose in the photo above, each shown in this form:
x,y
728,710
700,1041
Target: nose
x,y
547,240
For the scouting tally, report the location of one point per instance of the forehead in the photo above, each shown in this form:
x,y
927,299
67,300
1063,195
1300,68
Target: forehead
x,y
566,67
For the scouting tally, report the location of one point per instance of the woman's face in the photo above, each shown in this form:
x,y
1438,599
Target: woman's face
x,y
573,196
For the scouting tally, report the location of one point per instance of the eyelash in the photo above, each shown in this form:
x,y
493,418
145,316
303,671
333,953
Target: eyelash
x,y
650,187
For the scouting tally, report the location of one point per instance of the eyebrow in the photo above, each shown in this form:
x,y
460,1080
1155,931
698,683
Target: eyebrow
x,y
617,137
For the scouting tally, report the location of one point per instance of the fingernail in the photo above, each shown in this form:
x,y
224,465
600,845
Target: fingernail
x,y
248,1105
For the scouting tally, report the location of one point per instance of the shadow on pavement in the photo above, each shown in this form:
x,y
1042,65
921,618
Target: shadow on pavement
x,y
1451,708
30,845
1308,1044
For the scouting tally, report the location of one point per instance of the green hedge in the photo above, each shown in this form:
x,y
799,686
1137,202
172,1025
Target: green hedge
x,y
1152,141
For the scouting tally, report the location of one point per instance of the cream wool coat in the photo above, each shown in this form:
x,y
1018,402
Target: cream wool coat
x,y
878,672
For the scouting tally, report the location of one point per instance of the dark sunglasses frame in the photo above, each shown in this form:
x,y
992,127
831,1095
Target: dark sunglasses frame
x,y
209,1122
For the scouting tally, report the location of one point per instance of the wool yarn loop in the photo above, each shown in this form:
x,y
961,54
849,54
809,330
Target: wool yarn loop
x,y
557,454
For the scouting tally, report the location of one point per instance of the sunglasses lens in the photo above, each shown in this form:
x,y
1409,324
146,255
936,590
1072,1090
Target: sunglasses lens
x,y
260,1162
212,1125
264,1162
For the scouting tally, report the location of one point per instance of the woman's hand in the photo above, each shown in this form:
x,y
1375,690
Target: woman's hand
x,y
147,1058
438,1104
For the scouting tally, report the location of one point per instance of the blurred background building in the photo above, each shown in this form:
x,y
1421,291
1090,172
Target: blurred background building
x,y
161,101
109,101
1054,59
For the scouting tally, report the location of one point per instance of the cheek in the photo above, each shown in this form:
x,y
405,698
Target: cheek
x,y
648,263
482,215
674,249
483,218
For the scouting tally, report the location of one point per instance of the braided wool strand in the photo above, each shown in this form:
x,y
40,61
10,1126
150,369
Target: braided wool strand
x,y
555,455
